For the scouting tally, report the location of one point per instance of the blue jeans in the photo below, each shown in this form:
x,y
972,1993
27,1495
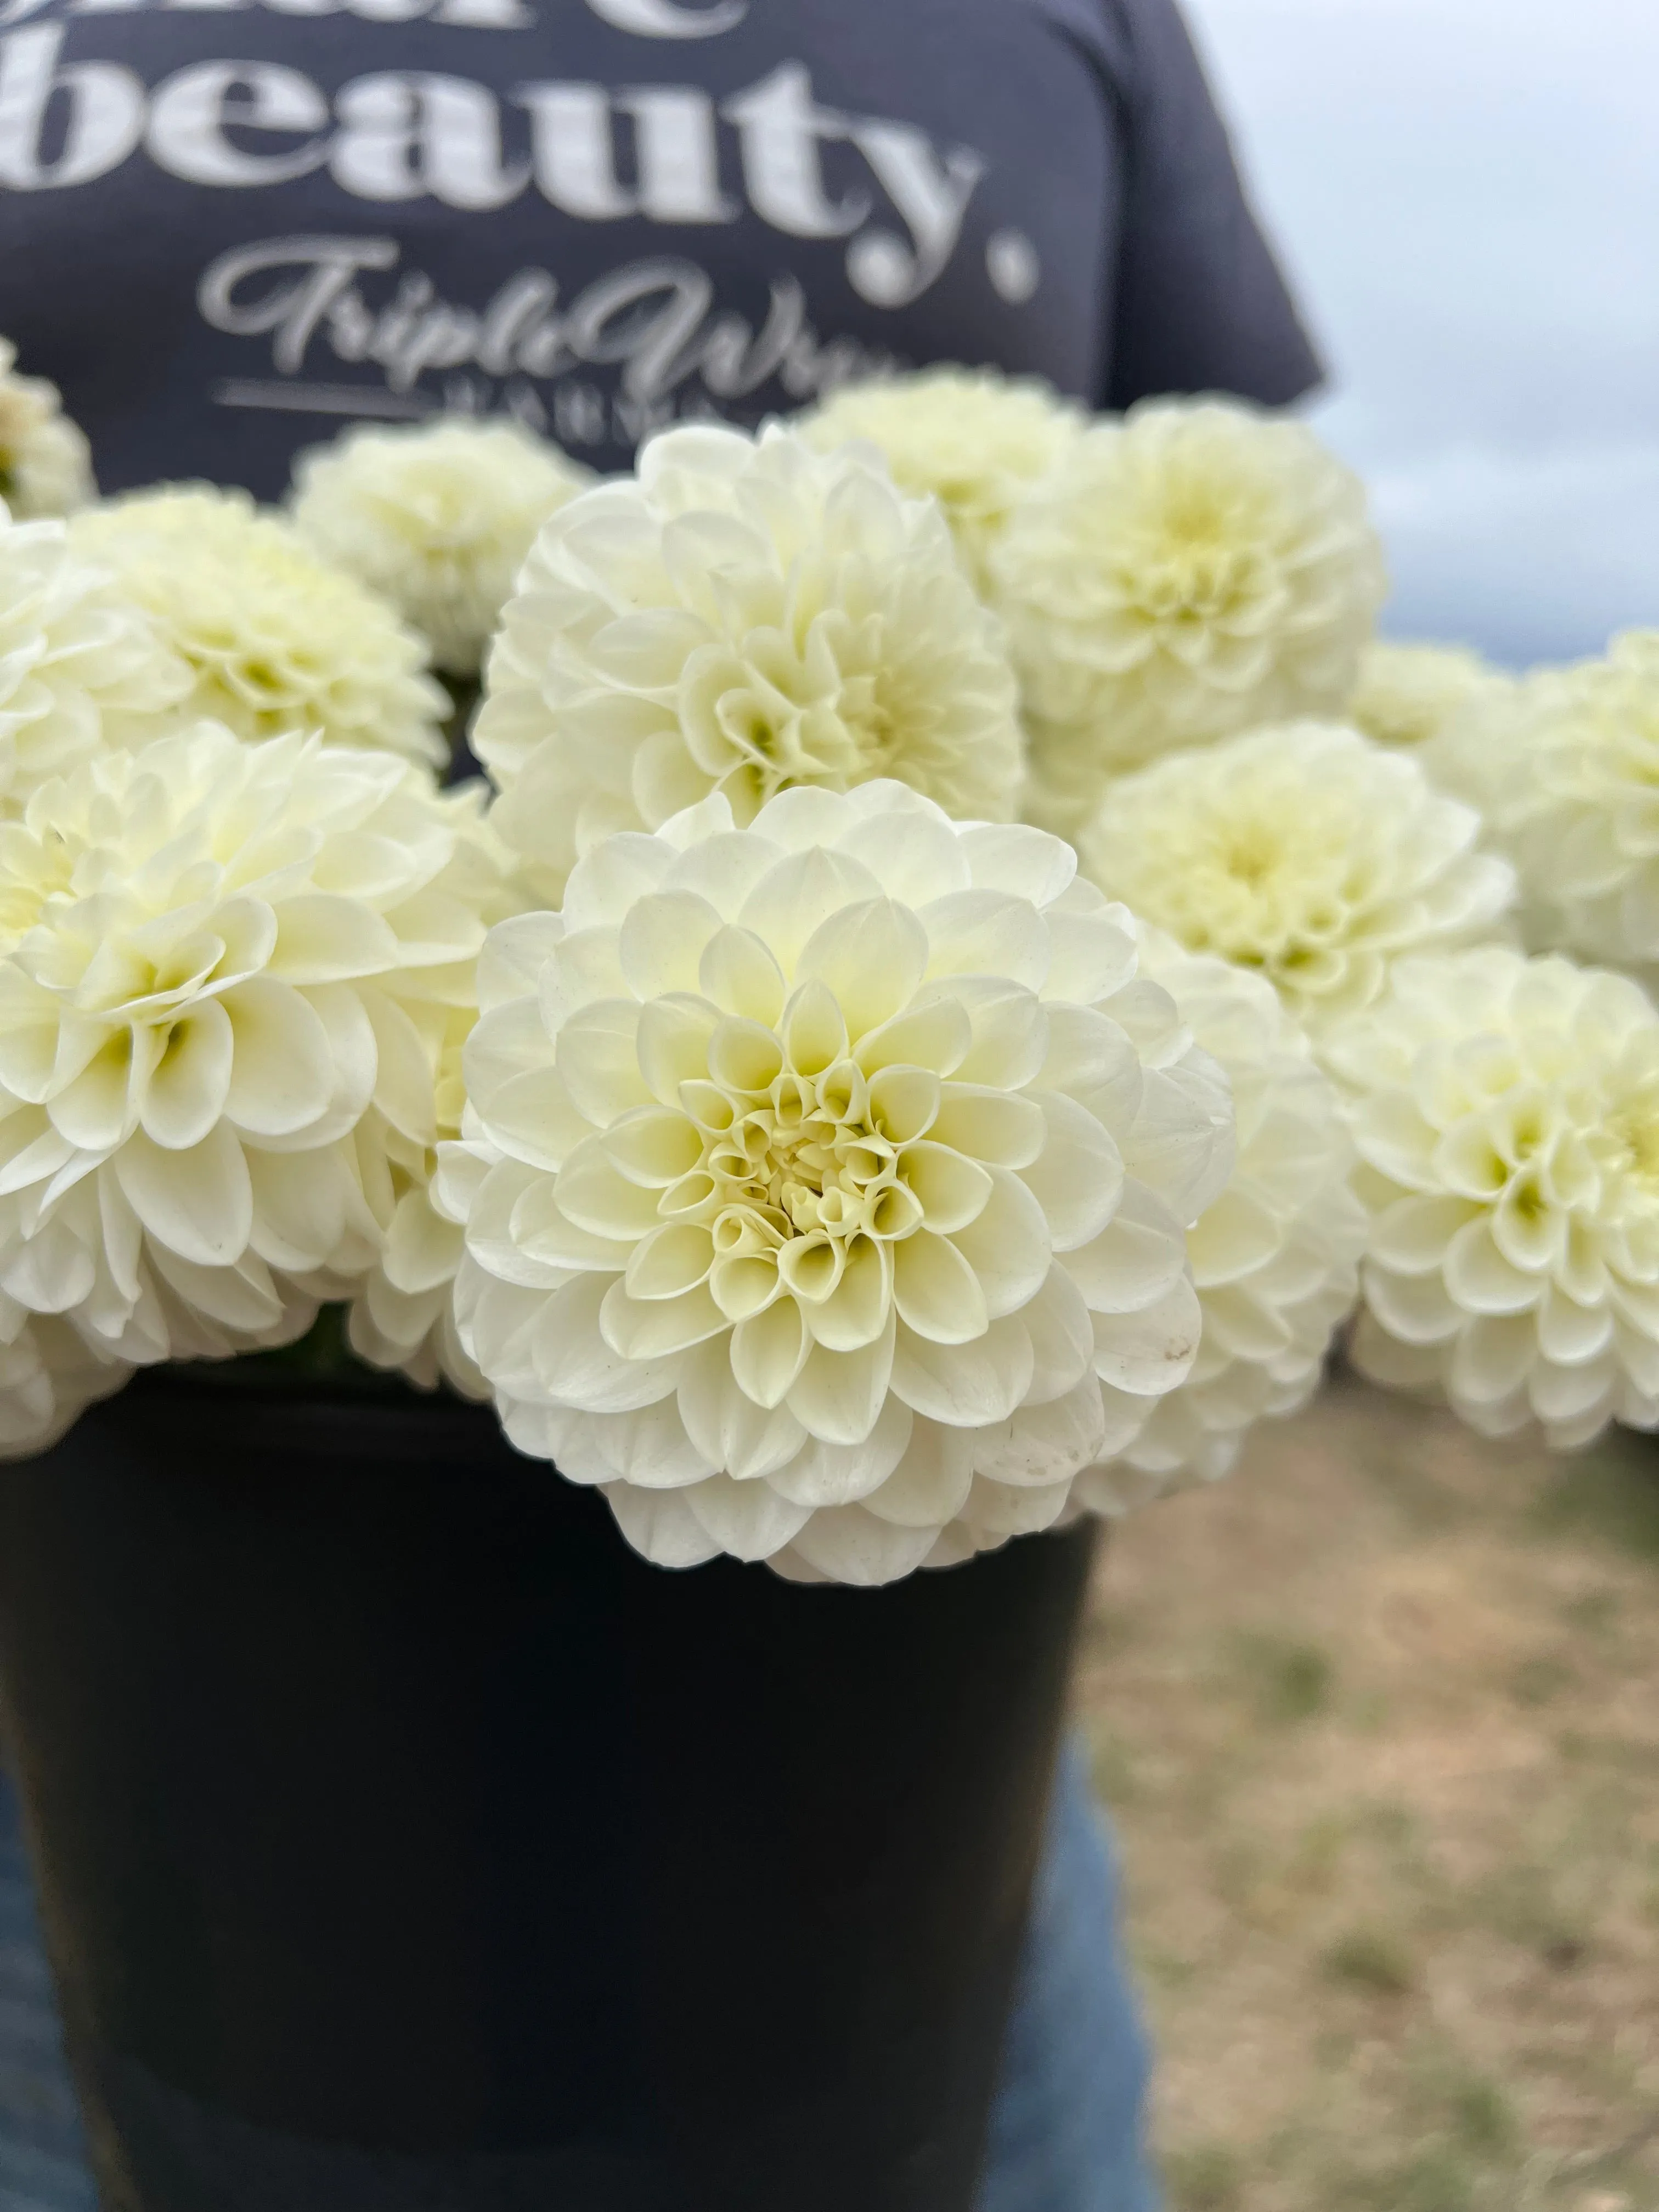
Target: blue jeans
x,y
1065,2133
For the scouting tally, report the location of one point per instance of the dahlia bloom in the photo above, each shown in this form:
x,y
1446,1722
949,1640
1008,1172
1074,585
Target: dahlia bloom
x,y
1276,1258
743,616
1195,569
1566,770
226,972
1307,853
402,1315
45,463
275,641
1407,694
436,517
1507,1113
824,1183
971,439
49,1375
79,668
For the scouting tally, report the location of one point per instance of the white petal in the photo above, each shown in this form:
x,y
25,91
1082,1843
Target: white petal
x,y
1135,1261
599,1057
591,1192
768,1352
965,1386
96,1110
1415,1309
514,953
576,1367
1091,956
1007,1245
748,1520
871,956
662,942
1411,1237
283,1075
671,1047
1492,1359
952,1190
930,1484
187,1088
996,1512
916,857
850,1544
660,1525
934,1034
670,1261
1148,1352
1480,1278
826,1475
838,1396
1062,1338
1077,1181
987,933
734,1434
1010,1027
855,1312
198,1203
654,1329
800,893
737,972
937,1292
300,1206
1027,863
997,1127
405,1084
605,882
1044,1444
651,1448
321,938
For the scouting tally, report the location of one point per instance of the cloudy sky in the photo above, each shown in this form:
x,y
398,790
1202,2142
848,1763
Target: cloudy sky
x,y
1467,194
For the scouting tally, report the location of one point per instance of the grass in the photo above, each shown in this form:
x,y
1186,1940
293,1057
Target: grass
x,y
1379,1722
1375,1960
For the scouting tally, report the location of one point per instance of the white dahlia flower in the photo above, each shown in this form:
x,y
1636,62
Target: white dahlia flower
x,y
825,1182
1276,1258
1507,1113
974,440
79,668
437,517
45,463
744,616
1195,569
403,1314
276,639
1307,853
1409,695
49,1375
225,973
1566,769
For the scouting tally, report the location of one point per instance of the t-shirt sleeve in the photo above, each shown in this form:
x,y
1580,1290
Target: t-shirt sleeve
x,y
1202,303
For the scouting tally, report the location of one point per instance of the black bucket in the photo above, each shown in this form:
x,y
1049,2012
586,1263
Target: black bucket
x,y
407,1844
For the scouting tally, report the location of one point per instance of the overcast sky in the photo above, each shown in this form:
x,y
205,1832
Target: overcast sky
x,y
1467,193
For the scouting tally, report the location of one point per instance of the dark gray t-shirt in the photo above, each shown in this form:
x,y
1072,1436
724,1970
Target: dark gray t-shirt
x,y
228,225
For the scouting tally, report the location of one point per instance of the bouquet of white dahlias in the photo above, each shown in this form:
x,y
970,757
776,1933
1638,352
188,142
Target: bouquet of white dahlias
x,y
794,1147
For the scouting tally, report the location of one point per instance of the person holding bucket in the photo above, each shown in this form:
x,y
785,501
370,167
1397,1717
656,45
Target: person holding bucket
x,y
225,226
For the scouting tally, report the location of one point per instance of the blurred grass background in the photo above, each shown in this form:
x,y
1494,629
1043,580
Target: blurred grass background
x,y
1378,1722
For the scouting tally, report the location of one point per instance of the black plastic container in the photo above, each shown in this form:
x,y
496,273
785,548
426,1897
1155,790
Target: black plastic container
x,y
407,1844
